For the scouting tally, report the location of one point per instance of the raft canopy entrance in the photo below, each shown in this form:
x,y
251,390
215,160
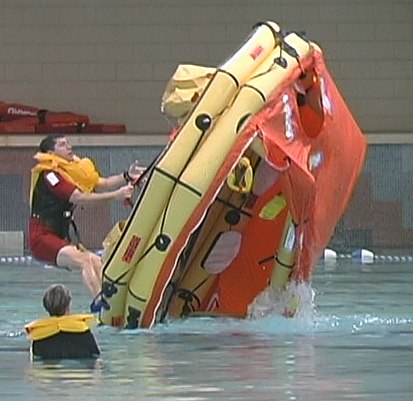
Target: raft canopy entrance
x,y
309,101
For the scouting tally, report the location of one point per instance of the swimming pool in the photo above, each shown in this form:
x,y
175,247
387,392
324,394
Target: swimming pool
x,y
358,345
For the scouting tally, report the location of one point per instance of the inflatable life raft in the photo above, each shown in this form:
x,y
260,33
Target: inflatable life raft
x,y
247,193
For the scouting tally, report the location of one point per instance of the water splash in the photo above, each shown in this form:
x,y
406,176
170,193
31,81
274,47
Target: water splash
x,y
296,300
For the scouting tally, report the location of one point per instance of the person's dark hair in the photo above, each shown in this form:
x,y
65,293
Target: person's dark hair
x,y
47,144
56,300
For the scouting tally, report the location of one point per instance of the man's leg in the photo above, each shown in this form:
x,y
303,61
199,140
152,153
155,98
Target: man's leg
x,y
89,263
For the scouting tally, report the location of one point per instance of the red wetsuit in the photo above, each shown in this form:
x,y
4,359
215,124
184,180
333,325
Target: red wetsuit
x,y
51,214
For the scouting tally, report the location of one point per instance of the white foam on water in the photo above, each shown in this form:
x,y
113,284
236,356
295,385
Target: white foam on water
x,y
296,300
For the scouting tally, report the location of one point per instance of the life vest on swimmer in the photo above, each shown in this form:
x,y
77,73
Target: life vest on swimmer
x,y
50,326
54,212
63,337
81,172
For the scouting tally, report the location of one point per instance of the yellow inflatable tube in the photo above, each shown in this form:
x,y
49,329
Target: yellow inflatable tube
x,y
197,283
121,261
199,174
285,258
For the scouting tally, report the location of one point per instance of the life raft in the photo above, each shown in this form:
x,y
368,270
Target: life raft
x,y
246,194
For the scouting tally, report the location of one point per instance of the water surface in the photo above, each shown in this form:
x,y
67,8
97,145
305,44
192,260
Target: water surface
x,y
358,345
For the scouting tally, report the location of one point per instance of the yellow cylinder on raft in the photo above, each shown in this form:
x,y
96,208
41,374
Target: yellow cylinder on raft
x,y
285,258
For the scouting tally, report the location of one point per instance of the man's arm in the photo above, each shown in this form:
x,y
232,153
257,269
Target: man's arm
x,y
110,183
67,191
115,181
80,198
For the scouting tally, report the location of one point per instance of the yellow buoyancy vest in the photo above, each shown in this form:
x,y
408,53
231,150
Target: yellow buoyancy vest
x,y
48,327
80,172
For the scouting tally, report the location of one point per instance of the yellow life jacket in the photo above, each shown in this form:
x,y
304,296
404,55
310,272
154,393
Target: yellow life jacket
x,y
48,327
80,172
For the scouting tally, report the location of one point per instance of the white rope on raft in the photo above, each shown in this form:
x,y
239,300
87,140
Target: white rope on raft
x,y
364,256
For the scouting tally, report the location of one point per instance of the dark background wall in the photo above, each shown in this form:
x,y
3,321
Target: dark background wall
x,y
111,59
379,216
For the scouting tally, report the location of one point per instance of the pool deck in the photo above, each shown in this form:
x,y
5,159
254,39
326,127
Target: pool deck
x,y
128,139
153,139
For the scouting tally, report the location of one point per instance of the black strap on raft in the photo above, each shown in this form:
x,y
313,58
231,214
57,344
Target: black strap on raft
x,y
137,182
162,241
149,168
285,47
189,297
203,122
277,35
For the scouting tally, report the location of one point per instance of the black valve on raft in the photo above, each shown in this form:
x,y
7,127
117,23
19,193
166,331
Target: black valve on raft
x,y
203,122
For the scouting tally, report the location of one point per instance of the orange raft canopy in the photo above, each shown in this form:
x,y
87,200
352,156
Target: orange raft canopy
x,y
316,154
270,204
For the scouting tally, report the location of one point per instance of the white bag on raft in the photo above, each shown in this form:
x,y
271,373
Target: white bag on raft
x,y
184,89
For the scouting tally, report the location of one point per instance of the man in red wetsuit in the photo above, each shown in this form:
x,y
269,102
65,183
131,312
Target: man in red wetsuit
x,y
60,181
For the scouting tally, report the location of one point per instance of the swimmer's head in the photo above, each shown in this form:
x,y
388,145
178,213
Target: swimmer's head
x,y
56,300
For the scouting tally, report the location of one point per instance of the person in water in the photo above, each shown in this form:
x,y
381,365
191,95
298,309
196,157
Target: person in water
x,y
62,335
59,182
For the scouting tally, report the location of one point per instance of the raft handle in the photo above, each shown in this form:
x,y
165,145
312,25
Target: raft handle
x,y
281,61
203,122
133,318
162,242
290,50
109,289
277,34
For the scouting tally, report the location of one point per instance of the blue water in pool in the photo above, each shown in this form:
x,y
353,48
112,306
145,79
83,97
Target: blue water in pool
x,y
358,345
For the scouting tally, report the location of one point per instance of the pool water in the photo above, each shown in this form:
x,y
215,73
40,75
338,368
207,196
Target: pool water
x,y
358,345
